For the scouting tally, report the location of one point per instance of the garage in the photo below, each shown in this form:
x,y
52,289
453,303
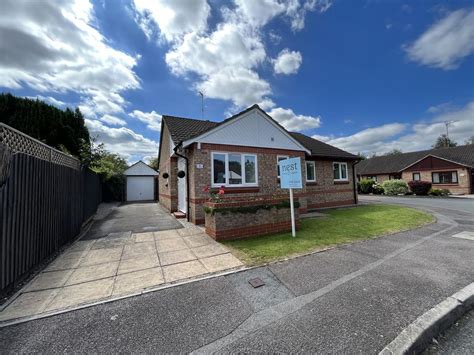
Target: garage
x,y
140,182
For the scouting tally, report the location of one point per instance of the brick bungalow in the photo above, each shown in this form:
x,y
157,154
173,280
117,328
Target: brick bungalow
x,y
242,154
445,168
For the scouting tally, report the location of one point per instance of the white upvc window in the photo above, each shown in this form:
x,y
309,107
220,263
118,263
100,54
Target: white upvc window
x,y
234,169
340,171
310,171
280,158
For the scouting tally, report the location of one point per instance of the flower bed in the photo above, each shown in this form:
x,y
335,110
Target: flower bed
x,y
229,219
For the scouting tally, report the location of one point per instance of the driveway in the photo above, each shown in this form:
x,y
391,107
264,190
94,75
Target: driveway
x,y
100,267
134,217
351,299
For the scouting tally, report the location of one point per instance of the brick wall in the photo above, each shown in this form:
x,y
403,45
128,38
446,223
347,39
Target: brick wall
x,y
462,187
168,188
325,193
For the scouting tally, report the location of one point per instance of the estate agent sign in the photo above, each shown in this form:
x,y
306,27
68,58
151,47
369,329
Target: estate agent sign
x,y
290,178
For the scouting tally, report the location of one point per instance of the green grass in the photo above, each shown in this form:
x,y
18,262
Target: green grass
x,y
341,226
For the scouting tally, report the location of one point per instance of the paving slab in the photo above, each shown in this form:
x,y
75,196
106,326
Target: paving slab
x,y
81,245
210,250
221,262
93,272
29,303
81,293
137,281
183,271
109,243
177,256
68,261
164,245
168,234
101,256
198,240
138,250
141,263
191,230
47,280
143,237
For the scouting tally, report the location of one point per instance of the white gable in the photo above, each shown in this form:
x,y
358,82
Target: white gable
x,y
252,129
141,169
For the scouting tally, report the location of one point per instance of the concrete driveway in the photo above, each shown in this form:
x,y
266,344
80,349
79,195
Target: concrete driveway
x,y
122,262
134,217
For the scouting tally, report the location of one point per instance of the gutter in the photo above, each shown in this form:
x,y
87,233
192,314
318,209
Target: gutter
x,y
187,178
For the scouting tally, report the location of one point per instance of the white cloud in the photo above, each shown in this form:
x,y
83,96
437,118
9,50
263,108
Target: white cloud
x,y
174,18
112,120
223,62
447,42
152,119
287,62
122,140
443,107
293,122
54,46
420,136
48,99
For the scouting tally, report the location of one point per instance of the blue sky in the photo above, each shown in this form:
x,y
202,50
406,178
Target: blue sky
x,y
366,76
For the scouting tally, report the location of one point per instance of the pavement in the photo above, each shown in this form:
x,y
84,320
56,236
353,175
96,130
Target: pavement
x,y
120,264
459,339
354,298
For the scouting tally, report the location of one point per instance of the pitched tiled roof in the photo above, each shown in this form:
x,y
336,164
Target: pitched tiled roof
x,y
394,163
321,149
185,128
182,129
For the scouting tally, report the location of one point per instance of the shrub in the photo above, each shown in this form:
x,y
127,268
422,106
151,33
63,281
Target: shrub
x,y
377,188
366,185
420,187
439,192
395,187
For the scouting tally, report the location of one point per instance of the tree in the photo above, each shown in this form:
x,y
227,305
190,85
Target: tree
x,y
394,152
443,141
361,156
154,163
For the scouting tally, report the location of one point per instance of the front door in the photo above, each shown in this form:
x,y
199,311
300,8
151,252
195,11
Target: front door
x,y
182,203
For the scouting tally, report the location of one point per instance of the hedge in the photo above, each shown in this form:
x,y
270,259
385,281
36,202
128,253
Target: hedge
x,y
395,187
420,187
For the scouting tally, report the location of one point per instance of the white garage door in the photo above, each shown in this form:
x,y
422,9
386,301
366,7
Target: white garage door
x,y
140,188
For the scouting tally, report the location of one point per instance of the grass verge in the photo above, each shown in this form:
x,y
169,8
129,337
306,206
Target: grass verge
x,y
340,227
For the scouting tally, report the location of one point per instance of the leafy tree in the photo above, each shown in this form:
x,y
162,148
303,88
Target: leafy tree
x,y
394,152
443,141
361,156
154,163
61,129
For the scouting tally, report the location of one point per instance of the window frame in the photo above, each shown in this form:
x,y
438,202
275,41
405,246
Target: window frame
x,y
226,164
340,171
419,176
311,162
278,161
445,172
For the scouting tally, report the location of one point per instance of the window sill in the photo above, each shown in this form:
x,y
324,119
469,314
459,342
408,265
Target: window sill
x,y
311,183
342,182
238,190
445,183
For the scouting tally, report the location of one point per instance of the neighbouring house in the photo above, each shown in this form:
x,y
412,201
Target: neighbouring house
x,y
141,182
241,153
445,168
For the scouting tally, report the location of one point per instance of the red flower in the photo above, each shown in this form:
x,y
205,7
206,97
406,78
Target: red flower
x,y
206,188
221,190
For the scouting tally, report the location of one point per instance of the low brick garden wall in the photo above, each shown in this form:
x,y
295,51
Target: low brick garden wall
x,y
227,220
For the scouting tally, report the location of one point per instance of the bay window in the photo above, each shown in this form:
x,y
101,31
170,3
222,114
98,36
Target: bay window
x,y
310,171
445,177
340,171
234,169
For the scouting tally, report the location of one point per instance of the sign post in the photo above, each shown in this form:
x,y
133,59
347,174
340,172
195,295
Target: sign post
x,y
290,178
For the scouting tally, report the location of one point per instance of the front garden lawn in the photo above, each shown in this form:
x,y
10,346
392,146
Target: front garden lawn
x,y
341,226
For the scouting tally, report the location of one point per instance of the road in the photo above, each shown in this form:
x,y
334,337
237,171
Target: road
x,y
351,299
459,339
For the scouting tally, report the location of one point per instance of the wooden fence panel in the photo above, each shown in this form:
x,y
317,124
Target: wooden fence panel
x,y
42,207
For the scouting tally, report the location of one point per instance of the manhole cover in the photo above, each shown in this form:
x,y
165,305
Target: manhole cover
x,y
256,282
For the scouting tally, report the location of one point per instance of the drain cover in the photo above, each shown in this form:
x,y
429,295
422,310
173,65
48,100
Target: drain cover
x,y
256,282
